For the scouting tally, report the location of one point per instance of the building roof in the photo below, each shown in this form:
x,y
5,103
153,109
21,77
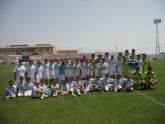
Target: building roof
x,y
26,46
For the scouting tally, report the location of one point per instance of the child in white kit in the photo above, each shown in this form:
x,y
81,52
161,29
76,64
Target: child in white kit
x,y
65,87
128,84
107,83
88,84
21,87
55,88
10,91
119,64
31,71
78,86
118,83
112,67
39,72
29,87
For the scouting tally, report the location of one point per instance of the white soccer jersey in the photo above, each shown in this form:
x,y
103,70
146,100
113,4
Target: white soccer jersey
x,y
88,85
39,73
76,70
118,84
119,64
112,67
65,88
71,70
128,82
67,71
20,71
107,83
20,88
46,71
11,89
98,69
85,67
31,70
140,63
29,87
104,69
107,60
57,65
52,71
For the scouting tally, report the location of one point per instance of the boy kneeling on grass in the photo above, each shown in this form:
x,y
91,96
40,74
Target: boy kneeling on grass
x,y
55,88
150,77
128,84
10,91
138,79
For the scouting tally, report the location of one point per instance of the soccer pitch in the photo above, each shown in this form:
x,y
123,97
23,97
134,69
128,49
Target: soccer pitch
x,y
139,107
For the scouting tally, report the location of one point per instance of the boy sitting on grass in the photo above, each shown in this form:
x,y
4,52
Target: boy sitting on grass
x,y
55,88
10,91
128,84
150,77
137,77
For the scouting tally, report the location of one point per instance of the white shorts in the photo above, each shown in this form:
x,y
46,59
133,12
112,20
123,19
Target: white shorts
x,y
108,87
117,87
20,94
88,88
28,93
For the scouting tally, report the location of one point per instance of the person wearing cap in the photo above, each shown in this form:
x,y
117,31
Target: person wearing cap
x,y
31,71
10,91
19,70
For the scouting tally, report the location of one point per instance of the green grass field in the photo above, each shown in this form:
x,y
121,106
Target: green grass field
x,y
92,108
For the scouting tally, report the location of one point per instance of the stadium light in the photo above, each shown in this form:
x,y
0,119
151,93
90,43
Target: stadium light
x,y
157,21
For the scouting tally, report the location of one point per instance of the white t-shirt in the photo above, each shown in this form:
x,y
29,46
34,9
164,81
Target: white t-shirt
x,y
39,72
31,70
29,86
20,71
105,70
46,71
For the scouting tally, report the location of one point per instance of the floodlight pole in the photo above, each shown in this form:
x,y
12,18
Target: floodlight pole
x,y
157,21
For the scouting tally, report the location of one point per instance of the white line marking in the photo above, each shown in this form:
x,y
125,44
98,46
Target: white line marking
x,y
153,100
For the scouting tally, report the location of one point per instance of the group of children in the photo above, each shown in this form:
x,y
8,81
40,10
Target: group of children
x,y
53,78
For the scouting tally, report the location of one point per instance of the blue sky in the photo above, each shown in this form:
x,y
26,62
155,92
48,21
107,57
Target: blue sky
x,y
90,25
